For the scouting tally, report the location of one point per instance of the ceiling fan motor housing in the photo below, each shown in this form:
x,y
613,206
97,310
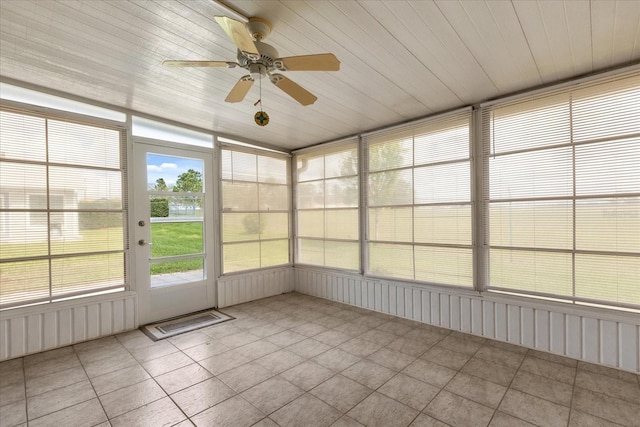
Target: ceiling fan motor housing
x,y
267,55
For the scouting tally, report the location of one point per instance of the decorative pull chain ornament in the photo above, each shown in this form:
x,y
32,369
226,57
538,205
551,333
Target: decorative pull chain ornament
x,y
261,118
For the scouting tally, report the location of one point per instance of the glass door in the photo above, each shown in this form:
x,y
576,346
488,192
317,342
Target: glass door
x,y
173,231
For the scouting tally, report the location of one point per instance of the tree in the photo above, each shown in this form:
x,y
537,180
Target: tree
x,y
384,188
252,224
189,181
160,185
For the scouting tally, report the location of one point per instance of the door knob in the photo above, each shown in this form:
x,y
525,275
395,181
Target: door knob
x,y
142,242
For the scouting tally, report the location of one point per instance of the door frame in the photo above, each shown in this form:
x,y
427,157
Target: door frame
x,y
154,304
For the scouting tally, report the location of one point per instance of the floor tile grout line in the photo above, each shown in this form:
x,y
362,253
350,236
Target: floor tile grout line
x,y
91,383
395,374
236,392
573,385
328,379
277,374
170,396
77,403
508,387
150,377
573,394
451,379
364,358
26,401
165,391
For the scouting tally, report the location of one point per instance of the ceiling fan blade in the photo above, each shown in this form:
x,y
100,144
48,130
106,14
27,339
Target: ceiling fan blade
x,y
237,32
240,89
319,62
293,89
179,63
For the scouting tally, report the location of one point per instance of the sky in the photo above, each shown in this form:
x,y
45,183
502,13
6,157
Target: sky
x,y
170,167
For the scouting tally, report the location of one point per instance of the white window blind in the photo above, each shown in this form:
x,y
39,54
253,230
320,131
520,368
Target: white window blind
x,y
63,209
327,194
255,210
563,192
419,201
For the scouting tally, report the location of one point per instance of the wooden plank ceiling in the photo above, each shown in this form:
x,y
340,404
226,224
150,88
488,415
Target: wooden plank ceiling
x,y
399,59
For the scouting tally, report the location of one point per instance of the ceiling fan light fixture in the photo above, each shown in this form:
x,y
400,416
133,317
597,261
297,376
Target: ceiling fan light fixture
x,y
257,71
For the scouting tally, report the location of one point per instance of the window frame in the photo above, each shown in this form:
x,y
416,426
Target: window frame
x,y
598,85
230,147
392,134
333,148
48,114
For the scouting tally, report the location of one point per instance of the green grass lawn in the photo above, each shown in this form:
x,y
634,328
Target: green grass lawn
x,y
183,238
176,238
67,274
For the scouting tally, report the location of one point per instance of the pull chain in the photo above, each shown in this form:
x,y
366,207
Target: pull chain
x,y
260,94
261,118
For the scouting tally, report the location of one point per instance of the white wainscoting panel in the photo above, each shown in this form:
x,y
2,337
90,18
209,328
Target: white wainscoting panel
x,y
34,329
245,287
591,335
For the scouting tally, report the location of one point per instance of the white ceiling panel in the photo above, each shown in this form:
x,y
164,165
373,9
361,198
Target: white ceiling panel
x,y
492,33
438,47
400,60
615,32
558,36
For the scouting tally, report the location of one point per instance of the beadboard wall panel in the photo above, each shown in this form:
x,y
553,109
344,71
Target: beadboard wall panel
x,y
245,287
591,335
35,329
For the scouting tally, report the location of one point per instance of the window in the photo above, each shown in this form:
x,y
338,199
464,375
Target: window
x,y
154,129
564,192
41,99
255,210
327,206
63,211
419,201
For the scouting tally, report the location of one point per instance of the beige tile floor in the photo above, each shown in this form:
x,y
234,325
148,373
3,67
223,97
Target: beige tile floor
x,y
295,360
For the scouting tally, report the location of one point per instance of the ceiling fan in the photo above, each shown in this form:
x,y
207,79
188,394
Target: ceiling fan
x,y
262,60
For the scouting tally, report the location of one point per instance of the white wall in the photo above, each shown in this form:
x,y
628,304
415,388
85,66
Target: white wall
x,y
593,335
44,327
244,287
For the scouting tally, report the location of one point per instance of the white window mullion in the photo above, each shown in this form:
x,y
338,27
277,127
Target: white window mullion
x,y
48,214
573,200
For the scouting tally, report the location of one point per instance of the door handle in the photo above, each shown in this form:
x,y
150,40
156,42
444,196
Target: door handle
x,y
142,242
